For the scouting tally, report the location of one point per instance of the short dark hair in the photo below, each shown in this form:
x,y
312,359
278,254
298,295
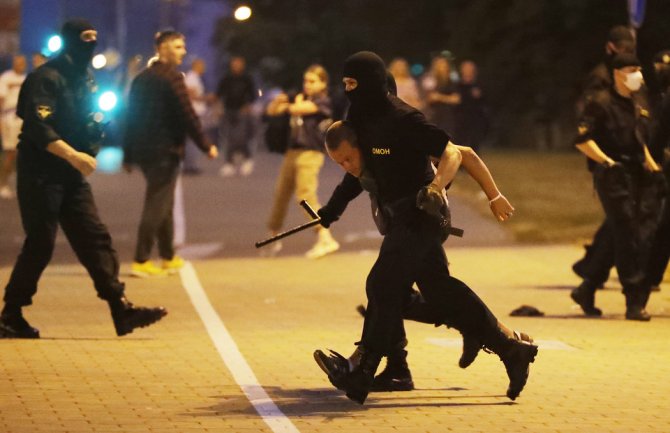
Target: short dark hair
x,y
338,132
166,36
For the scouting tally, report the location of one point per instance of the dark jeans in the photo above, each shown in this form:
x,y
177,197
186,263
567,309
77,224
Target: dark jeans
x,y
45,201
157,222
412,252
632,203
236,133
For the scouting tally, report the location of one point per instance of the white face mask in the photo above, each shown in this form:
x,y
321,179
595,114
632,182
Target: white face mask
x,y
633,81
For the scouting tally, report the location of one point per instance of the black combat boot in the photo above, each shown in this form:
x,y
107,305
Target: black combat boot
x,y
14,325
335,366
584,296
396,376
359,381
636,304
127,317
516,354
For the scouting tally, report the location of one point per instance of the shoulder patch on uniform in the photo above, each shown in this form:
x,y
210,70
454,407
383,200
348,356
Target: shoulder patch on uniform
x,y
44,111
582,129
644,113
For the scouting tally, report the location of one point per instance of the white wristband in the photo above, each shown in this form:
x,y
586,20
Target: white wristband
x,y
495,198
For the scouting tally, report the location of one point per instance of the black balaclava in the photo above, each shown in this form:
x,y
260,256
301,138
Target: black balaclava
x,y
370,72
81,52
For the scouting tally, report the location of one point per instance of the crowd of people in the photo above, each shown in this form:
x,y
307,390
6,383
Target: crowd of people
x,y
403,159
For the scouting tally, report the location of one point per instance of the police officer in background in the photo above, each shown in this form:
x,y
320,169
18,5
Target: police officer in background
x,y
614,131
660,254
599,256
387,150
56,151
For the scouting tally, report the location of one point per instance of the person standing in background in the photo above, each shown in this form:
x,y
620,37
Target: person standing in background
x,y
196,91
471,120
310,115
237,91
442,95
10,123
406,86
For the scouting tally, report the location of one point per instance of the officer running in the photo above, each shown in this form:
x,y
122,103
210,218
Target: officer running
x,y
387,151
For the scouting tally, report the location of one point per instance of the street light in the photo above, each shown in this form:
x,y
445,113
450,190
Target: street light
x,y
242,13
54,43
99,61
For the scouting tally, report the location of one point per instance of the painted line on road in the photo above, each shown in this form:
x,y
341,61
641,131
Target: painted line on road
x,y
231,355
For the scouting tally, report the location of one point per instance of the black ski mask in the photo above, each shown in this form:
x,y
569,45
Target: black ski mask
x,y
80,51
368,69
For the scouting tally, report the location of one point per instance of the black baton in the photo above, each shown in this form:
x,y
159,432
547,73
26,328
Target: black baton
x,y
315,221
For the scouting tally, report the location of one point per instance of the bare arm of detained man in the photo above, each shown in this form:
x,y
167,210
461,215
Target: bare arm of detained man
x,y
477,169
591,149
447,166
83,162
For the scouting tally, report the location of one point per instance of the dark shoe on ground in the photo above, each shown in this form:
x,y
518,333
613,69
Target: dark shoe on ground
x,y
393,379
517,360
637,313
14,325
585,298
127,317
335,366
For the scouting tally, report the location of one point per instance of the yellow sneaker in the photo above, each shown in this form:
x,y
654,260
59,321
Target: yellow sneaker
x,y
173,266
146,269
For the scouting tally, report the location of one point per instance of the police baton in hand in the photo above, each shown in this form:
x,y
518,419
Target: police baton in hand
x,y
315,221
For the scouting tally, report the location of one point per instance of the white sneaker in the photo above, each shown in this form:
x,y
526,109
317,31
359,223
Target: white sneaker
x,y
227,170
272,250
247,167
6,193
324,246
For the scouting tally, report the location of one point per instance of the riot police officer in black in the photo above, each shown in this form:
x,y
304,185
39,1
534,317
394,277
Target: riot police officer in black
x,y
613,133
391,158
56,151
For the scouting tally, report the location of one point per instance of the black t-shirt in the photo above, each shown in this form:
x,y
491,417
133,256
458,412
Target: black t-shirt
x,y
308,132
236,91
620,126
397,145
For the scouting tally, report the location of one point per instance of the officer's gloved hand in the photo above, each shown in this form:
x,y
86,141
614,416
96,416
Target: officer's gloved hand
x,y
327,216
430,200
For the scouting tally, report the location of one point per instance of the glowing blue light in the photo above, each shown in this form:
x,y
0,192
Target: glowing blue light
x,y
417,69
107,101
55,43
110,159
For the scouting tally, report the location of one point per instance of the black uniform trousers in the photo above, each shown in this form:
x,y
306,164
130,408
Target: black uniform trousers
x,y
632,203
660,252
599,258
157,222
412,252
47,199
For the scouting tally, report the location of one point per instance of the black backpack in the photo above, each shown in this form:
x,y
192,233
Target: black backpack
x,y
277,132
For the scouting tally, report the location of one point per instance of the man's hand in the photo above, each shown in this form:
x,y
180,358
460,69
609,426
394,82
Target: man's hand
x,y
213,152
83,162
501,208
430,200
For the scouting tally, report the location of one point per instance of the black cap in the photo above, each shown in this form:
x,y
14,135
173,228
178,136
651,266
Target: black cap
x,y
662,57
618,34
623,60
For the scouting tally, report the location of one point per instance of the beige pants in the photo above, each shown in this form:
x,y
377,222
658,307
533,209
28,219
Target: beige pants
x,y
300,173
11,128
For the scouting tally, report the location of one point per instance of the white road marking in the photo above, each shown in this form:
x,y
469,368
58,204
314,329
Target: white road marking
x,y
231,356
542,344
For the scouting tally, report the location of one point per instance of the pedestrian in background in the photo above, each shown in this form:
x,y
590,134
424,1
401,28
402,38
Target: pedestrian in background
x,y
441,94
310,115
237,91
159,118
199,99
471,120
406,86
56,153
10,123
